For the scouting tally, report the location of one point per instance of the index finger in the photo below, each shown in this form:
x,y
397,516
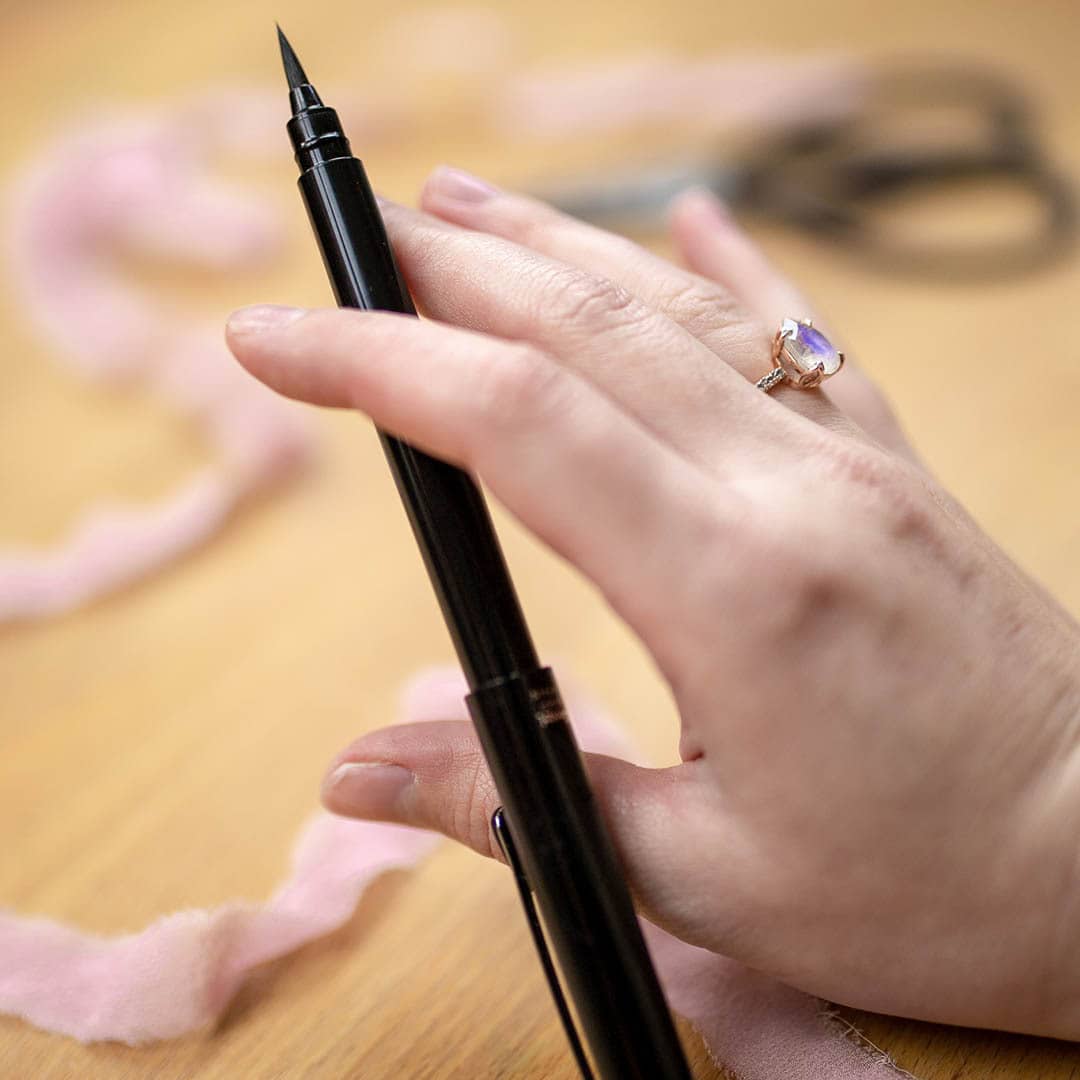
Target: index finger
x,y
584,476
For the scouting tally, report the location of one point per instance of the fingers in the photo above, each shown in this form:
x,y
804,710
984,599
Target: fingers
x,y
586,478
433,776
711,243
650,366
713,313
710,313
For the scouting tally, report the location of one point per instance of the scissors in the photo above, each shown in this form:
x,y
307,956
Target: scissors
x,y
853,180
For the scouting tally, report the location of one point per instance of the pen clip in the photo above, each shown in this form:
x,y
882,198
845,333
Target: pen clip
x,y
501,829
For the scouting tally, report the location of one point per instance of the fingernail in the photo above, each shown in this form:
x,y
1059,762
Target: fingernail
x,y
366,788
262,317
458,186
709,204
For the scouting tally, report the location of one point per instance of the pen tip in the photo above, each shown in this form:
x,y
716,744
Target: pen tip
x,y
293,71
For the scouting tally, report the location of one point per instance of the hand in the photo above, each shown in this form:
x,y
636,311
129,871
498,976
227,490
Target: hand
x,y
879,800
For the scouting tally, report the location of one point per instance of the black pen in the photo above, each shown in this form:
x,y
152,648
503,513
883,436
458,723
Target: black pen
x,y
557,840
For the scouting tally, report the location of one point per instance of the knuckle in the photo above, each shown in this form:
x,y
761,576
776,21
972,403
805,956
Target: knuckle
x,y
781,564
824,556
903,508
910,517
812,586
701,308
857,465
594,303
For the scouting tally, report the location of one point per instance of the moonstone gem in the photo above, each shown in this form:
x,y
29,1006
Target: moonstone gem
x,y
810,350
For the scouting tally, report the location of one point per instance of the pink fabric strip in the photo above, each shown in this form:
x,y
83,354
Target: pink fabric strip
x,y
140,184
756,1027
709,95
180,972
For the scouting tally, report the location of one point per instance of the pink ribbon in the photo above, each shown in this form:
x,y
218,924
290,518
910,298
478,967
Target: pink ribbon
x,y
704,96
140,184
179,973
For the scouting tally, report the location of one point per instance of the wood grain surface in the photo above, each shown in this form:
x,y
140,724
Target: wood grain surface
x,y
160,749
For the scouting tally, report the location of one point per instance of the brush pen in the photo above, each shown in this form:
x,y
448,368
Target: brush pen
x,y
565,854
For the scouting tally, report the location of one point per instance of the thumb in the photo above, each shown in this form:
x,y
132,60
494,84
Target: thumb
x,y
433,776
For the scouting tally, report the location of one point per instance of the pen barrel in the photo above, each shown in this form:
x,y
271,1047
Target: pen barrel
x,y
445,507
562,841
576,878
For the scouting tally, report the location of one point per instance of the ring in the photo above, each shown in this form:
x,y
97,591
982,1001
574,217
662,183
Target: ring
x,y
802,356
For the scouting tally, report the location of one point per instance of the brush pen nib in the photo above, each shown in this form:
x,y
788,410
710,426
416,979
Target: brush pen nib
x,y
293,71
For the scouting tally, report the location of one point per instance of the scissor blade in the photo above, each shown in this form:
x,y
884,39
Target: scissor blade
x,y
638,196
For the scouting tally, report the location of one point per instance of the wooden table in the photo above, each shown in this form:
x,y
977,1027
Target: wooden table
x,y
159,750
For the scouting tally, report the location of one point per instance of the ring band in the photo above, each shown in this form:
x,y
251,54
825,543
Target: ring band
x,y
767,382
802,357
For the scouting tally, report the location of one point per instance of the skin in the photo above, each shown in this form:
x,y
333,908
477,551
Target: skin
x,y
879,797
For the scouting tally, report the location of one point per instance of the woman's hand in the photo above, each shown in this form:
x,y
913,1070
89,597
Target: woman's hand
x,y
879,800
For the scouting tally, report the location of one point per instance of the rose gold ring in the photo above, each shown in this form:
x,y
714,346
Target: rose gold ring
x,y
802,356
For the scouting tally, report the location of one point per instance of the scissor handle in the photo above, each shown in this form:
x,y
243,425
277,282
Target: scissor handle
x,y
829,180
